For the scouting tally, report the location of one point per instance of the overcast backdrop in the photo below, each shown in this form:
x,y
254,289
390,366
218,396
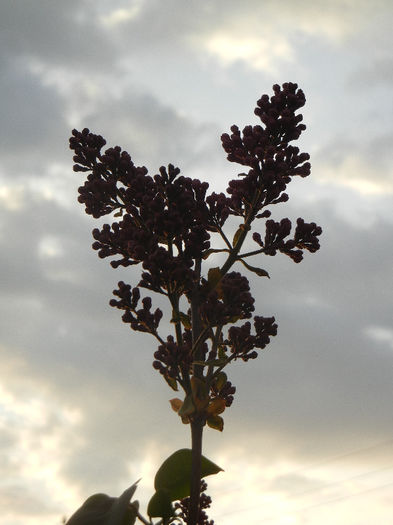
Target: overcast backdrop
x,y
309,438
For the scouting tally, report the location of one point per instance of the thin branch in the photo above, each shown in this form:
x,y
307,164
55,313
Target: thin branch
x,y
227,242
249,254
142,519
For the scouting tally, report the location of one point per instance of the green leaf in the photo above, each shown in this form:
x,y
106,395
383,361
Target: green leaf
x,y
236,236
221,379
213,362
214,277
259,271
101,509
175,473
160,505
183,318
122,512
207,253
215,422
200,394
187,407
222,352
171,382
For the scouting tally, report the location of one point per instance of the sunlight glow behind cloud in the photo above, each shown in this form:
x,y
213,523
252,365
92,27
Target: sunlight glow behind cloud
x,y
258,53
353,172
42,434
121,15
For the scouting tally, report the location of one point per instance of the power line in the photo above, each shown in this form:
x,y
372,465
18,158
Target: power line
x,y
337,499
339,482
330,484
313,505
323,462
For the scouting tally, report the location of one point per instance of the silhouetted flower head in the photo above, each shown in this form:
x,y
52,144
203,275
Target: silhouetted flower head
x,y
165,224
204,504
230,301
242,342
171,357
266,150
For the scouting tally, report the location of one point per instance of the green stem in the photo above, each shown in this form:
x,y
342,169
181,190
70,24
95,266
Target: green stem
x,y
236,249
245,227
196,322
250,254
196,457
142,519
197,423
174,299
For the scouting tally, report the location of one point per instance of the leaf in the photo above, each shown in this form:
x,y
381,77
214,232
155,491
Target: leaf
x,y
160,505
214,277
221,379
200,363
171,382
214,362
183,318
240,231
207,253
104,510
175,473
259,271
200,393
216,406
122,512
218,362
176,404
222,352
216,422
236,236
187,407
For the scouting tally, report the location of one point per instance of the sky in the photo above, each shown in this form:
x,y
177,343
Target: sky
x,y
309,437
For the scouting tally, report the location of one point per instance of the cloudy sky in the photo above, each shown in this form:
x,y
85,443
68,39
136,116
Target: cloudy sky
x,y
309,438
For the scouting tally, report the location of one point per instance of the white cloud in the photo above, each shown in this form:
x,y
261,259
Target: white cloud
x,y
356,173
42,435
257,52
381,335
121,15
50,247
12,198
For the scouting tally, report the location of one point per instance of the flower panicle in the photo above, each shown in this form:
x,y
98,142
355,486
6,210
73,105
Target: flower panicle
x,y
165,224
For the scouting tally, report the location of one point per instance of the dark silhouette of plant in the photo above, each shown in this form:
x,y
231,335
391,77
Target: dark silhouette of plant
x,y
170,225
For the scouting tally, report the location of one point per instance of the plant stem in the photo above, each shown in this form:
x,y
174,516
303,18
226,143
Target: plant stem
x,y
195,490
197,422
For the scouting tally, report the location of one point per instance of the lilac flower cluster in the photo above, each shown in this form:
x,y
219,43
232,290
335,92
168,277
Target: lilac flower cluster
x,y
305,237
142,320
204,503
172,357
266,150
165,224
242,342
228,302
225,392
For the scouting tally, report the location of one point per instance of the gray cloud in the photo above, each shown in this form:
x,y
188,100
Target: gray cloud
x,y
33,117
317,374
155,132
55,33
150,85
